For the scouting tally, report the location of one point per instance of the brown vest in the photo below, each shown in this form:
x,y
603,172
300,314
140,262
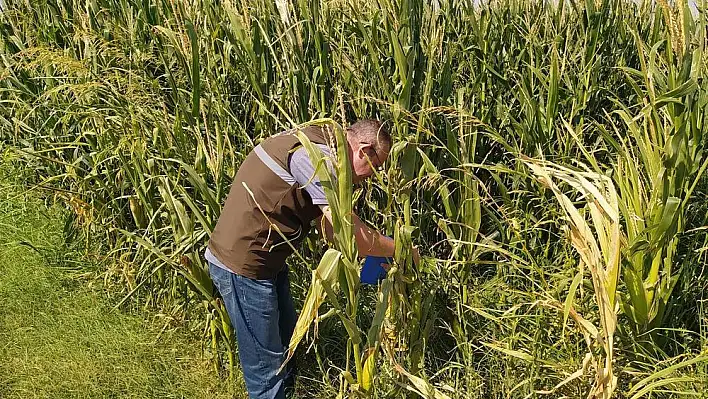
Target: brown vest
x,y
243,239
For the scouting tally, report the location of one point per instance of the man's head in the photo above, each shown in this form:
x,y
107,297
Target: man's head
x,y
369,145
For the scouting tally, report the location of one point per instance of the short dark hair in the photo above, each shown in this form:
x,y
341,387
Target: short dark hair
x,y
373,131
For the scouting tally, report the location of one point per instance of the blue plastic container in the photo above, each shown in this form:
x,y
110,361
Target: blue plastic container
x,y
373,271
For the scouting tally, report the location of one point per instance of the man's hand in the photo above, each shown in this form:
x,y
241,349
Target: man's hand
x,y
416,256
368,240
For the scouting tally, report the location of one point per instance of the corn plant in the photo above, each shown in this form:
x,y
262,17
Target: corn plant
x,y
599,250
339,269
661,159
138,113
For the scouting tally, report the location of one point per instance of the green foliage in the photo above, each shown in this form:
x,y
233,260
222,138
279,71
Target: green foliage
x,y
137,114
60,337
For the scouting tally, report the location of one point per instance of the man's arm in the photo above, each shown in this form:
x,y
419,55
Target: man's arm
x,y
369,242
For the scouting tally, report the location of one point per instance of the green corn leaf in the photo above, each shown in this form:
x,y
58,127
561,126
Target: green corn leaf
x,y
327,270
571,296
369,371
380,313
676,94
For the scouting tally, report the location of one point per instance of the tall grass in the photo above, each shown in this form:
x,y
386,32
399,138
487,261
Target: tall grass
x,y
138,113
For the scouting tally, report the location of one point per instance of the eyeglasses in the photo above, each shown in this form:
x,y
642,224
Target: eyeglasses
x,y
378,166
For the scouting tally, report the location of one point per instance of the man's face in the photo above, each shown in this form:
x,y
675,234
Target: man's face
x,y
364,158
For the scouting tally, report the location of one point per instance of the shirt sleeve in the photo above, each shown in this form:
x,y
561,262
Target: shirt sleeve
x,y
303,171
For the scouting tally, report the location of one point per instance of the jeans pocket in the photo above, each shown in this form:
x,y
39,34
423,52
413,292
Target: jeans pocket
x,y
258,300
222,279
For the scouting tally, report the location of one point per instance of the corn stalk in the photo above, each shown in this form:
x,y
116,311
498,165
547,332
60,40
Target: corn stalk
x,y
661,158
599,250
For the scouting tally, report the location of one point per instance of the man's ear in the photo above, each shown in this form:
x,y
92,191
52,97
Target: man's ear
x,y
361,150
364,147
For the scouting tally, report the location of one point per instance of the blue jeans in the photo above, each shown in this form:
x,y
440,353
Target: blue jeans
x,y
264,317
